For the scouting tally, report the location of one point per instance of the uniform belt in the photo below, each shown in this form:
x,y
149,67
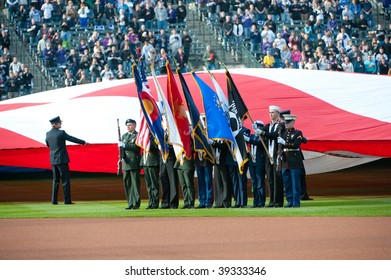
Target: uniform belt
x,y
291,150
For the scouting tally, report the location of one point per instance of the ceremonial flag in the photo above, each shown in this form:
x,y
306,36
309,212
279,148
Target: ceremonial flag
x,y
198,131
218,128
237,151
143,139
178,111
235,99
238,112
171,129
150,111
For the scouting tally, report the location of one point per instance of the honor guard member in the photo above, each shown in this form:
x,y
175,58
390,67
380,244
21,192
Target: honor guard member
x,y
274,177
59,159
222,180
186,168
169,179
131,165
150,164
204,169
257,162
292,161
304,193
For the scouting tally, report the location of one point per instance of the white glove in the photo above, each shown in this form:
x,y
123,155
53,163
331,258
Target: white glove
x,y
255,126
210,141
259,132
280,141
246,138
121,144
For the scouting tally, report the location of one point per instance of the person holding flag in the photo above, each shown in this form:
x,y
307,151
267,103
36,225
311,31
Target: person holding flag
x,y
131,165
274,177
221,138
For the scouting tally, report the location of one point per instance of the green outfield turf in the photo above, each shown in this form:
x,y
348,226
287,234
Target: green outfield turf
x,y
320,207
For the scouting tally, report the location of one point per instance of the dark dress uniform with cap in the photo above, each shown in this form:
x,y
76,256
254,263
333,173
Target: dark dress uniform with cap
x,y
257,168
131,168
169,179
292,163
150,163
59,159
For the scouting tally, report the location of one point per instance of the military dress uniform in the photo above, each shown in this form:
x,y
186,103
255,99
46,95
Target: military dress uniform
x,y
274,177
257,170
150,163
169,180
59,159
186,168
204,169
292,163
222,180
131,170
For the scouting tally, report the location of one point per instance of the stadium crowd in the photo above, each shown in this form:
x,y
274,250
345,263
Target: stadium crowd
x,y
98,41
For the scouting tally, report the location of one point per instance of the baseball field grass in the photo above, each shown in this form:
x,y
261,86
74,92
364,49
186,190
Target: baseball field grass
x,y
319,207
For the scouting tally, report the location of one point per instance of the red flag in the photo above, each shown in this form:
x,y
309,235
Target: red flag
x,y
178,111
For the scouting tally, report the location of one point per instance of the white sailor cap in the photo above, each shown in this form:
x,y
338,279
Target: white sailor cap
x,y
274,108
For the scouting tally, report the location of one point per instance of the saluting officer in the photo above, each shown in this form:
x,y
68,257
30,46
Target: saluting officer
x,y
131,165
292,160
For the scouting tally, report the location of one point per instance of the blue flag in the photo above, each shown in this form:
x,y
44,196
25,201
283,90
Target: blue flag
x,y
218,127
198,131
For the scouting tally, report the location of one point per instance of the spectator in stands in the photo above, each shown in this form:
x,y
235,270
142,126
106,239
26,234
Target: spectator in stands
x,y
126,58
304,10
27,79
161,16
47,9
255,39
323,63
48,55
14,66
5,40
261,10
280,42
271,24
382,66
311,64
120,74
99,12
267,33
12,10
175,41
370,65
237,32
95,69
60,55
285,11
69,80
343,38
358,65
347,66
110,15
81,78
247,22
171,14
142,33
33,32
181,60
295,56
268,60
70,14
41,46
355,7
65,34
73,62
160,62
227,31
23,18
162,40
148,15
210,58
83,15
274,11
58,11
125,7
186,43
14,85
34,14
106,74
266,45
